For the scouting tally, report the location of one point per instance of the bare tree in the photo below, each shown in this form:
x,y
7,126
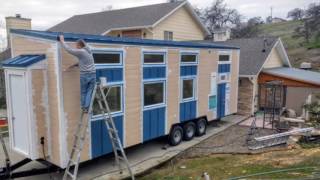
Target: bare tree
x,y
219,15
296,14
248,29
311,24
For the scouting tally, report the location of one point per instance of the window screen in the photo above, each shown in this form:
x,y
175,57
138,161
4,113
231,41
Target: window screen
x,y
188,58
168,35
153,93
112,58
224,58
187,89
113,98
153,58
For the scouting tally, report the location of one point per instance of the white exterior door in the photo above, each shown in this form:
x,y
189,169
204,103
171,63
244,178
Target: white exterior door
x,y
19,113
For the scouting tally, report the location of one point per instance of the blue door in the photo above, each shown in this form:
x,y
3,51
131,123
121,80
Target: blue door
x,y
221,100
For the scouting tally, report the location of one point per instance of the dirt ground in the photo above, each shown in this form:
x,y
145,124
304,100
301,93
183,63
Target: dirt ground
x,y
226,155
230,141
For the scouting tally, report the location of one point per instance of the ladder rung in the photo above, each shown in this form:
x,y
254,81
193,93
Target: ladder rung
x,y
70,174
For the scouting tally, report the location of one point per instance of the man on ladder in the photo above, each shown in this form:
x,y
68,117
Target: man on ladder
x,y
90,91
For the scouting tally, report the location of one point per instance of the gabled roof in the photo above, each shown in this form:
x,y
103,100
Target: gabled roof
x,y
131,18
23,60
115,40
254,52
295,74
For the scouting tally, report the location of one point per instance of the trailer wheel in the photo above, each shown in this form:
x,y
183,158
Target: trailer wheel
x,y
189,131
201,127
175,136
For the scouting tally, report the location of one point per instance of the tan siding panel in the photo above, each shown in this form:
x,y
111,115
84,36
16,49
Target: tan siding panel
x,y
183,26
133,90
274,60
23,45
173,88
234,82
207,65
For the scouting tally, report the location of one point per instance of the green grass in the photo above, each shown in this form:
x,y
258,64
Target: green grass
x,y
227,166
285,30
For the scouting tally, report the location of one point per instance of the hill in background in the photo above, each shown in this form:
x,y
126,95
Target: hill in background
x,y
298,50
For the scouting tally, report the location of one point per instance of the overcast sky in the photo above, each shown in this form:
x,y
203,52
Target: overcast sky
x,y
46,13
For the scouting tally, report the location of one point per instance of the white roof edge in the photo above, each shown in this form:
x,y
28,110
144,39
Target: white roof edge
x,y
284,52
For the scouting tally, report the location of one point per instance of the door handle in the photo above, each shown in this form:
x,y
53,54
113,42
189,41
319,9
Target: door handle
x,y
13,118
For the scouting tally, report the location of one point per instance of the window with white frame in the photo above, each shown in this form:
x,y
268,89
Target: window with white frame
x,y
153,58
114,99
168,35
109,58
224,57
188,88
189,58
153,93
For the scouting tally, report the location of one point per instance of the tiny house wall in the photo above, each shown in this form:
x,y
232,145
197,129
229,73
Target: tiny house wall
x,y
45,101
130,120
58,111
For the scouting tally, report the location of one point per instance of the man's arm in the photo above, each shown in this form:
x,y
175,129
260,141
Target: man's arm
x,y
73,51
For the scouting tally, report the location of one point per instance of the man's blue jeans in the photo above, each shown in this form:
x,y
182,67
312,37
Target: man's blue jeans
x,y
87,82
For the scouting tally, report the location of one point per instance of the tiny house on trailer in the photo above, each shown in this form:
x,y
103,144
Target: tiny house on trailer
x,y
159,88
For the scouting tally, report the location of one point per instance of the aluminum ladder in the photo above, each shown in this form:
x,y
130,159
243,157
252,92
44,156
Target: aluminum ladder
x,y
75,155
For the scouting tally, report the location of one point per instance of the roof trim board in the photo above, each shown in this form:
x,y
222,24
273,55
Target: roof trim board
x,y
115,40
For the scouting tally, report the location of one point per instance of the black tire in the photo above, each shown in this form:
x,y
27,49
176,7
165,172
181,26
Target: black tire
x,y
175,136
201,127
189,131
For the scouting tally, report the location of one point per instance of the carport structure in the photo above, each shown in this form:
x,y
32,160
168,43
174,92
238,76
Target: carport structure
x,y
298,85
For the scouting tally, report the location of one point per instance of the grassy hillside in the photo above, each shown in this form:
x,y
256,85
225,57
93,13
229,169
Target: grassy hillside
x,y
297,49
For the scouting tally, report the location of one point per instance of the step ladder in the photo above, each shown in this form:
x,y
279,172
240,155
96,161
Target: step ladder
x,y
80,136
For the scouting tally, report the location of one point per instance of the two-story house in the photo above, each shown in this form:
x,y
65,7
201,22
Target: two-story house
x,y
166,21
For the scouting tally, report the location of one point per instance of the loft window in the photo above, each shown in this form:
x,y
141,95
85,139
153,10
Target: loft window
x,y
187,88
168,35
114,100
107,58
224,57
189,58
153,93
153,58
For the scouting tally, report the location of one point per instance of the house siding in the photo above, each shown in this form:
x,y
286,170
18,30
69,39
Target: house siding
x,y
22,45
183,26
274,60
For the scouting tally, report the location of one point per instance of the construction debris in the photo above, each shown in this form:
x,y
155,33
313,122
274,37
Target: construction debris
x,y
277,139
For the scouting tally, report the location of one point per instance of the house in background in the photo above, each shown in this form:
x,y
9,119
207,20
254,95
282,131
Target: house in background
x,y
167,21
264,59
